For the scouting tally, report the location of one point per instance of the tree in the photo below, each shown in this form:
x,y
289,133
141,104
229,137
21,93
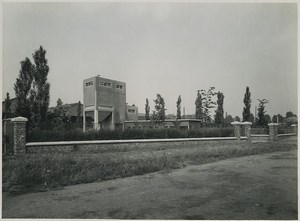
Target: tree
x,y
158,114
237,118
147,110
289,114
79,111
61,120
178,105
198,103
261,118
280,118
219,117
228,119
268,118
22,89
207,102
7,109
251,118
247,102
274,119
40,92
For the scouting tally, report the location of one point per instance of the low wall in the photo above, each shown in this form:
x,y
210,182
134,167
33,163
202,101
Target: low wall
x,y
286,135
259,138
104,146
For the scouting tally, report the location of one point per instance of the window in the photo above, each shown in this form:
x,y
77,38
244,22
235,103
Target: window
x,y
105,84
119,86
89,84
131,111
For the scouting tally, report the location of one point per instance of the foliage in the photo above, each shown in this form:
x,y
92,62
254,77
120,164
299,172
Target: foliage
x,y
274,119
22,89
290,114
147,110
7,109
268,118
158,114
251,118
78,135
79,112
237,118
40,92
228,119
178,106
198,103
207,102
247,102
280,118
32,89
219,117
261,118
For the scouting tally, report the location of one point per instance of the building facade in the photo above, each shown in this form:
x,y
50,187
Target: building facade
x,y
105,101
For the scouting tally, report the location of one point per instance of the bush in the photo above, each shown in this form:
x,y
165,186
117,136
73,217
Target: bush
x,y
76,135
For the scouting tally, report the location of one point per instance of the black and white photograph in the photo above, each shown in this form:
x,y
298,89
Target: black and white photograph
x,y
149,110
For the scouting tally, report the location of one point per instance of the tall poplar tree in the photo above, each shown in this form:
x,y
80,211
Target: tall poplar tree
x,y
219,117
198,104
207,102
158,114
40,93
22,89
247,102
147,110
178,106
79,112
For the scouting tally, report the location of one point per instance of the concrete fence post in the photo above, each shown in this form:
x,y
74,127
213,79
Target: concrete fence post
x,y
247,129
237,129
19,127
273,131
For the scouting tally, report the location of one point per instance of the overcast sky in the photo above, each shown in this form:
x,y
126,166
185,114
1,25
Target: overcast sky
x,y
168,48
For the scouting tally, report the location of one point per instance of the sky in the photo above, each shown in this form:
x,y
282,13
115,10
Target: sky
x,y
167,48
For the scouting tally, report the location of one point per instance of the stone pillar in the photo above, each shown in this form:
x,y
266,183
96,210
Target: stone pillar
x,y
295,128
237,129
19,124
273,131
247,129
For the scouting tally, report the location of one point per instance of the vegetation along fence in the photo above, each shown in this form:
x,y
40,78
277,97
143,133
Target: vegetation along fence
x,y
15,132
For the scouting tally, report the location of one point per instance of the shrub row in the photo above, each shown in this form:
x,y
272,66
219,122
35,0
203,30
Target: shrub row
x,y
76,135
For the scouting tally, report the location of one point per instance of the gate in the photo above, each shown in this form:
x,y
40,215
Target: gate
x,y
7,137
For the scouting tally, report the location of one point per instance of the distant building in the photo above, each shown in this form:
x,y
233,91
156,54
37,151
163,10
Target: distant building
x,y
183,124
105,101
13,106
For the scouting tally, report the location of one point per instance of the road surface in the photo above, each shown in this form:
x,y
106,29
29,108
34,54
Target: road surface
x,y
251,187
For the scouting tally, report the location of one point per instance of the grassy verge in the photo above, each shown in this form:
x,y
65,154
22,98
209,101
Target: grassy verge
x,y
30,172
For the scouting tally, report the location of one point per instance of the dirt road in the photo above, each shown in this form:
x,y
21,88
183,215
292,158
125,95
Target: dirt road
x,y
252,187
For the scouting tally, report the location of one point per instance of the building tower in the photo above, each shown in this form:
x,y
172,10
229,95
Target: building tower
x,y
104,101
